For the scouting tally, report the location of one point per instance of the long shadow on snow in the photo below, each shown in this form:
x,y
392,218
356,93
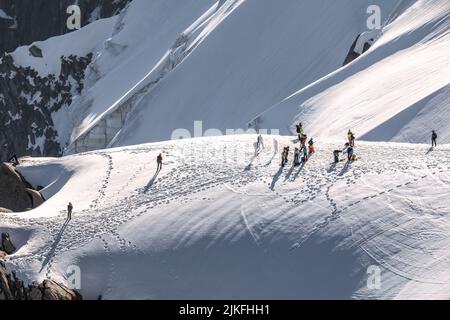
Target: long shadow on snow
x,y
344,169
54,245
275,152
152,181
275,179
299,170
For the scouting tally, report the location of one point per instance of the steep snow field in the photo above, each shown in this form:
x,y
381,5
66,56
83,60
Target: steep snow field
x,y
163,64
251,56
220,222
223,61
398,91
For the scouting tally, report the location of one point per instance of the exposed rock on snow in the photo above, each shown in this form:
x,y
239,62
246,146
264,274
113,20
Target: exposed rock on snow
x,y
14,192
362,43
35,51
36,198
12,288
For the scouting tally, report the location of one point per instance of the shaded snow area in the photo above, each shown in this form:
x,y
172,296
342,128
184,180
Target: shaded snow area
x,y
221,222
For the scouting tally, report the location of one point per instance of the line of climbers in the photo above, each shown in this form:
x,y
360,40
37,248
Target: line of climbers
x,y
301,153
349,148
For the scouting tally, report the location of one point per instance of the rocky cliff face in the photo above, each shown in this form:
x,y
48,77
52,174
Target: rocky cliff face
x,y
12,288
16,194
23,21
27,102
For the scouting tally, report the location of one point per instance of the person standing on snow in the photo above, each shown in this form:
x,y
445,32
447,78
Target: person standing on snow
x,y
433,139
349,151
305,153
303,140
159,161
69,211
311,146
296,157
351,138
284,156
259,143
336,154
300,131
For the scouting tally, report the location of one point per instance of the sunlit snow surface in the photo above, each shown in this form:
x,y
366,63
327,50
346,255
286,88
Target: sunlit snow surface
x,y
218,222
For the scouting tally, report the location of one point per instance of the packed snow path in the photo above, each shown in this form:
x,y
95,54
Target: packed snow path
x,y
386,209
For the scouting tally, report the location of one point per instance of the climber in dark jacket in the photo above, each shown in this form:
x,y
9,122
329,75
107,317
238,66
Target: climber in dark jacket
x,y
69,211
433,139
159,160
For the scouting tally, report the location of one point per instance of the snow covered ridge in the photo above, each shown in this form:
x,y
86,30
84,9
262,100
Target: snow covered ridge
x,y
162,65
397,91
187,77
38,83
241,228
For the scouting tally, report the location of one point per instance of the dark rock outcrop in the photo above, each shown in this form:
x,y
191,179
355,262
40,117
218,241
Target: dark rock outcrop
x,y
35,51
12,288
29,21
27,102
15,193
352,54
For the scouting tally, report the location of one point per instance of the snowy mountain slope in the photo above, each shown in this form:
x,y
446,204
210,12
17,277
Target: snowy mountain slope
x,y
37,86
86,40
218,222
124,51
397,91
166,55
248,62
134,58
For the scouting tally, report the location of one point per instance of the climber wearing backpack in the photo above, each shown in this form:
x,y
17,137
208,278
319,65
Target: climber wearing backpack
x,y
296,157
311,148
351,138
433,139
349,151
69,211
300,131
303,140
284,156
336,154
159,161
305,153
259,143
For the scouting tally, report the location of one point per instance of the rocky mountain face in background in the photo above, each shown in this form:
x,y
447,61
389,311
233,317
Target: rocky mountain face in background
x,y
27,101
25,21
